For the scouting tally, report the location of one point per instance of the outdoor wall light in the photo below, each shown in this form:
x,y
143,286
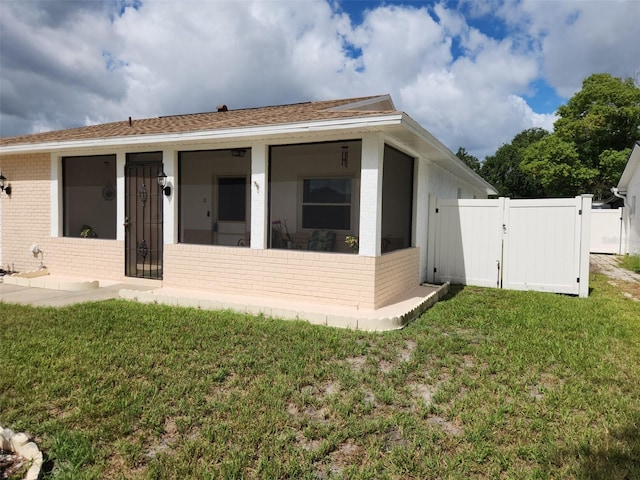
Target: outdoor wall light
x,y
162,181
345,156
3,185
238,152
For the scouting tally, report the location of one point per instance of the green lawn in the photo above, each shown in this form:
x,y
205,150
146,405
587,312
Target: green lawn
x,y
487,384
630,262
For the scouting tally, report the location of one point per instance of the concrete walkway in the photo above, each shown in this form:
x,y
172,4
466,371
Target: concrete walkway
x,y
57,291
608,264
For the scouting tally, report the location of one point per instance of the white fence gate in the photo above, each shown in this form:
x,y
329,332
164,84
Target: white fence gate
x,y
606,231
540,244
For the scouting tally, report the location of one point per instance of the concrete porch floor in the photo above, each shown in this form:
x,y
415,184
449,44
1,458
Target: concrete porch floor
x,y
56,291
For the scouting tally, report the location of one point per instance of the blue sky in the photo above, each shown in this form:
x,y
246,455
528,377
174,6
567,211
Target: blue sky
x,y
472,72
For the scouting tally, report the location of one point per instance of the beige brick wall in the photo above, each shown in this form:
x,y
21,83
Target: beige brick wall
x,y
396,273
25,214
339,279
91,257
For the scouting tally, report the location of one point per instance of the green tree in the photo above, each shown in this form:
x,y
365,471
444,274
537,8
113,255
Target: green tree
x,y
556,164
588,149
469,159
503,169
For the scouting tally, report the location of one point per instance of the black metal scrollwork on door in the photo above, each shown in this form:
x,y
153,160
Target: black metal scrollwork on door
x,y
143,250
142,194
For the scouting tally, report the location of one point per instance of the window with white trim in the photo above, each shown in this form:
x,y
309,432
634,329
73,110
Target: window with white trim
x,y
326,203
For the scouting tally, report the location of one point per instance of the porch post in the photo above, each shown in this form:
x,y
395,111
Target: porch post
x,y
370,235
56,196
170,221
121,160
259,195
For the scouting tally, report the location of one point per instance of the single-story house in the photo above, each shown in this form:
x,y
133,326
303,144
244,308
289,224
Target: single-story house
x,y
323,202
628,189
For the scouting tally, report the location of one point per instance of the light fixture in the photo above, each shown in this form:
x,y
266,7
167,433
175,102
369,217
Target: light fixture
x,y
162,182
3,185
238,152
345,156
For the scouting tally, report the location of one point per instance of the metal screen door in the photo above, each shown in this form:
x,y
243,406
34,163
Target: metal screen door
x,y
143,216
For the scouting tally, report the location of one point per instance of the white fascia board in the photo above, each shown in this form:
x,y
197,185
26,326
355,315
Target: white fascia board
x,y
368,123
451,160
364,103
632,165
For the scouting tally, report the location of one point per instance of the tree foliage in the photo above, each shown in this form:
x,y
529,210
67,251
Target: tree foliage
x,y
587,151
503,169
469,159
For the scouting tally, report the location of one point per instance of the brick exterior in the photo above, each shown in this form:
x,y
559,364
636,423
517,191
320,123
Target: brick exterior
x,y
95,258
330,278
340,279
337,279
396,273
25,214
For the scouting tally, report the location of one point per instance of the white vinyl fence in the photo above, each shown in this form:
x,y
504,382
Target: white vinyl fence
x,y
540,244
606,231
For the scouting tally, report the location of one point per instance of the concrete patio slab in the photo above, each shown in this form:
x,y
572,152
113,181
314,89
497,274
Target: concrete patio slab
x,y
60,291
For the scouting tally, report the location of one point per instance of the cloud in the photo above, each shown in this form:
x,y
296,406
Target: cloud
x,y
577,39
449,66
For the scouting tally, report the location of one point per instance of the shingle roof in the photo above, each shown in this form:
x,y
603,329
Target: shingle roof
x,y
249,117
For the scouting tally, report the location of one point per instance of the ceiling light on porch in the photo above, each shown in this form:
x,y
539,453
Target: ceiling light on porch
x,y
162,182
238,152
3,185
345,156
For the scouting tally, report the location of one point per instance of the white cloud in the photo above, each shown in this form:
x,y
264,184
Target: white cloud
x,y
577,39
65,63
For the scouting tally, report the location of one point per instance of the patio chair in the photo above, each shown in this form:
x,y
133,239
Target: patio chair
x,y
322,240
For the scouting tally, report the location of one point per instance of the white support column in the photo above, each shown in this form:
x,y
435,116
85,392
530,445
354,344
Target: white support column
x,y
56,196
170,207
121,159
259,195
371,195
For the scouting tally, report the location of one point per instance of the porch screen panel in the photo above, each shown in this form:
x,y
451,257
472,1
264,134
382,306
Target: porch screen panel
x,y
397,200
89,196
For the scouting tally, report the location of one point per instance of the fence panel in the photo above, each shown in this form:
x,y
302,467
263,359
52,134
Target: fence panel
x,y
469,245
606,231
540,244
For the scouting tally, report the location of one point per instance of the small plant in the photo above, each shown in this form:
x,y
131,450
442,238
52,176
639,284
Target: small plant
x,y
88,232
352,242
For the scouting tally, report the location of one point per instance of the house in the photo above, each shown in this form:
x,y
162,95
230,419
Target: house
x,y
324,202
629,190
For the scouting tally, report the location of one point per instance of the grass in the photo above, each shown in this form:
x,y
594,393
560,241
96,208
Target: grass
x,y
486,384
630,262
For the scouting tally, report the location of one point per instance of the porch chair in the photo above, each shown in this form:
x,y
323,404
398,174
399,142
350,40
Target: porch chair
x,y
322,240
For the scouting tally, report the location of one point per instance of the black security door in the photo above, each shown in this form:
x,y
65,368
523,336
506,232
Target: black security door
x,y
143,221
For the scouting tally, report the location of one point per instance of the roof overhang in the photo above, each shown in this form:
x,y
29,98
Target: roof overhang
x,y
631,167
398,126
184,138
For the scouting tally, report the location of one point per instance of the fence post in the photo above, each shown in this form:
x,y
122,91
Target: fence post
x,y
585,237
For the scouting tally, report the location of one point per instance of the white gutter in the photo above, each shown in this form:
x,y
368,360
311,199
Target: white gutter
x,y
373,122
623,196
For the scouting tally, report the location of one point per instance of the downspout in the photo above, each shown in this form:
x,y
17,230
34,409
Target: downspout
x,y
616,193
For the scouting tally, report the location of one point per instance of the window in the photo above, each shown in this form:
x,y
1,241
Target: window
x,y
326,203
89,196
